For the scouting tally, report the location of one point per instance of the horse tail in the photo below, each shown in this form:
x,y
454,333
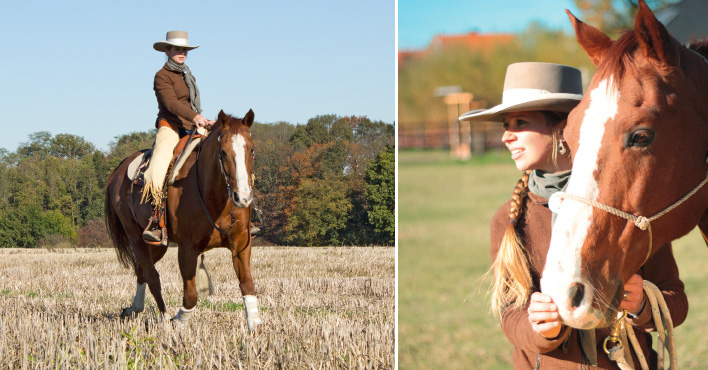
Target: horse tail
x,y
115,227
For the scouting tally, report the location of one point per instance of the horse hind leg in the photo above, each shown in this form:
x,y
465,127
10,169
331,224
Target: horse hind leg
x,y
147,276
203,280
138,304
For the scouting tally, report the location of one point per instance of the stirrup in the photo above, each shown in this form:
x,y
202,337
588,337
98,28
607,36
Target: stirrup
x,y
154,234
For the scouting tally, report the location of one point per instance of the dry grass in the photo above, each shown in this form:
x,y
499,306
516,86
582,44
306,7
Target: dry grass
x,y
323,308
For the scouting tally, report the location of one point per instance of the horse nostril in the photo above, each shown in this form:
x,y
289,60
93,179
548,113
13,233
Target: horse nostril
x,y
576,294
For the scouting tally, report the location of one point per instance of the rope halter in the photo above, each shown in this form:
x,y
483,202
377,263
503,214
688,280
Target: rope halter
x,y
643,223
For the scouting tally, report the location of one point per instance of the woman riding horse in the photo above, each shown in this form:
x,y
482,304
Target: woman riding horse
x,y
536,101
179,111
179,108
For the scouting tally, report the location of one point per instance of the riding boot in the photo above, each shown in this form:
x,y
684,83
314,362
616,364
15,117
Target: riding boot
x,y
254,229
153,231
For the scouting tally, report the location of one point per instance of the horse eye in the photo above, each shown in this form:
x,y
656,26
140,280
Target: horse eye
x,y
640,138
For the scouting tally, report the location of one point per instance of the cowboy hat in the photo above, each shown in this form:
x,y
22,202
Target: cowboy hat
x,y
174,38
534,86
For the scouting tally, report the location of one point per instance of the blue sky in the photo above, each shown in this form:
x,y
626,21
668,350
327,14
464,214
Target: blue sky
x,y
420,20
86,67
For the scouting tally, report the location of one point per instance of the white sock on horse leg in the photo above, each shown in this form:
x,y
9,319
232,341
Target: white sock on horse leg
x,y
253,317
139,299
183,315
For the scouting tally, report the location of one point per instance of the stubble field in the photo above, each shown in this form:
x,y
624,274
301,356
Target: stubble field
x,y
323,308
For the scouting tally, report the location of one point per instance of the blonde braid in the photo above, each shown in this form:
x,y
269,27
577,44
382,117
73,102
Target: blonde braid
x,y
512,281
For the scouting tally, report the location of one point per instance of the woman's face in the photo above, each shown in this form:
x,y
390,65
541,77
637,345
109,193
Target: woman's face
x,y
177,54
530,140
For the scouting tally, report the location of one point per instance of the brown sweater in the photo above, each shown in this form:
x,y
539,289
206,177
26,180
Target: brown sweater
x,y
533,351
173,99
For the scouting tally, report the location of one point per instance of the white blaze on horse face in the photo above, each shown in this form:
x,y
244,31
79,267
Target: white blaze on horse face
x,y
242,180
563,263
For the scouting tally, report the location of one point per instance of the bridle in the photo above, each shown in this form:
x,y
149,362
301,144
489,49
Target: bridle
x,y
232,201
643,223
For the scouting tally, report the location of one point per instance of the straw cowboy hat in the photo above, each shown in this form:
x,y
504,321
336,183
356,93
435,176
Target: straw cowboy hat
x,y
174,38
533,86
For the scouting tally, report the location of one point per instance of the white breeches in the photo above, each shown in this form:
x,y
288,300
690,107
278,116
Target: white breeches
x,y
162,151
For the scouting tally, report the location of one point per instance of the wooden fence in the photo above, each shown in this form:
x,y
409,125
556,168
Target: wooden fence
x,y
483,136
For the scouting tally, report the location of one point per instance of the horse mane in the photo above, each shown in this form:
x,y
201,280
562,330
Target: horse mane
x,y
701,47
619,59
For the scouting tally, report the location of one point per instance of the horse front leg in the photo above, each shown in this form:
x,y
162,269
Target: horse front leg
x,y
242,264
187,257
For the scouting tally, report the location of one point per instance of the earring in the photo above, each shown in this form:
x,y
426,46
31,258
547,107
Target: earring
x,y
561,147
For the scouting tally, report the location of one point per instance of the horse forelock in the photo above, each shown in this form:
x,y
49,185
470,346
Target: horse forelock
x,y
619,58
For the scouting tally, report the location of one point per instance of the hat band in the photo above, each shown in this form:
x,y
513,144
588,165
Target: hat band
x,y
184,42
519,96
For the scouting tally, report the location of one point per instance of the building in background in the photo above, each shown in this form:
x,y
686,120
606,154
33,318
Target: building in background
x,y
686,20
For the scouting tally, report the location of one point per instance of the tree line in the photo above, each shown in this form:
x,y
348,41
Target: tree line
x,y
328,182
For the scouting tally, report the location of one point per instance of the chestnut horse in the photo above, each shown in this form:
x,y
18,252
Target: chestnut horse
x,y
639,139
208,206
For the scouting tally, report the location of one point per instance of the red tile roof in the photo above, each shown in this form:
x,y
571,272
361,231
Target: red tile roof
x,y
472,40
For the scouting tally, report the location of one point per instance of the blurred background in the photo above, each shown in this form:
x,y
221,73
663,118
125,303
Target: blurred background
x,y
452,57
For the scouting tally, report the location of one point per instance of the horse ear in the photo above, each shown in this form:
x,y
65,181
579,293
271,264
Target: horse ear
x,y
222,116
248,118
594,42
653,37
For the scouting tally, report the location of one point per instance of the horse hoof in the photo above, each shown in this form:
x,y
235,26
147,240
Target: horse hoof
x,y
182,317
256,327
130,312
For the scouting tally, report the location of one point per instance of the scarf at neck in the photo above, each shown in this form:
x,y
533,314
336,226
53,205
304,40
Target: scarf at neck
x,y
194,99
545,184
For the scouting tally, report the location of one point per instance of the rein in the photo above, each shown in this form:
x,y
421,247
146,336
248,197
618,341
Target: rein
x,y
643,223
622,333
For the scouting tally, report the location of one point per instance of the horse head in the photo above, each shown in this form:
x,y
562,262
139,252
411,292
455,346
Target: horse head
x,y
639,141
236,154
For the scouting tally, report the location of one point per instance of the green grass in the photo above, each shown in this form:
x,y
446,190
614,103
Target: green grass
x,y
444,321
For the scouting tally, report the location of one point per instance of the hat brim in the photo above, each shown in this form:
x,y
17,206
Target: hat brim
x,y
164,45
558,103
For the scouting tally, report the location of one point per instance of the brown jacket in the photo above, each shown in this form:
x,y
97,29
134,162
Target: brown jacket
x,y
173,99
533,351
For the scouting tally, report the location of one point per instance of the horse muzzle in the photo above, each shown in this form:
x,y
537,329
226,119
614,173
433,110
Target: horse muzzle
x,y
242,201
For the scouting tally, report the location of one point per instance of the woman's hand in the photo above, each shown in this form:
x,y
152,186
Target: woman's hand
x,y
634,295
543,315
200,121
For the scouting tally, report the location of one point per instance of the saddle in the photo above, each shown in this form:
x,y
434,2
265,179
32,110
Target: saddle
x,y
137,166
136,170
